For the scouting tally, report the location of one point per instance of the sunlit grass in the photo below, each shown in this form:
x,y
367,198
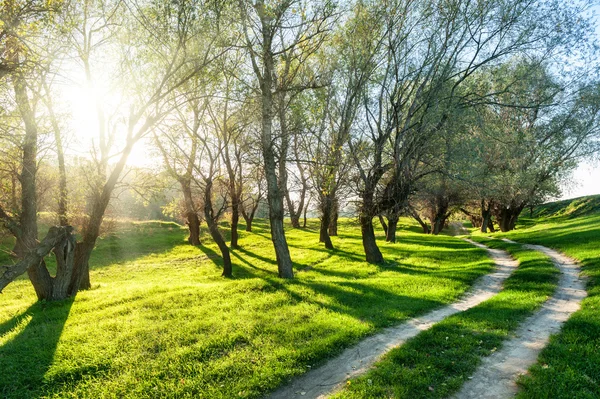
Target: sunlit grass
x,y
438,361
569,367
161,322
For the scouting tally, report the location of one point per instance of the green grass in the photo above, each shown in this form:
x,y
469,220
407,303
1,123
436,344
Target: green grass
x,y
582,206
569,367
161,322
437,362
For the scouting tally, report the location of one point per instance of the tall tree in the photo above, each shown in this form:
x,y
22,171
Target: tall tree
x,y
280,37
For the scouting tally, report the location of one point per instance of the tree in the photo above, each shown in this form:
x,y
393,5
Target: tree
x,y
280,36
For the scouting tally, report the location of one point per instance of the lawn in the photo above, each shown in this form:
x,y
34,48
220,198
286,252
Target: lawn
x,y
161,322
438,361
569,367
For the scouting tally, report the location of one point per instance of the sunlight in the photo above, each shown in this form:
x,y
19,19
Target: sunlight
x,y
81,103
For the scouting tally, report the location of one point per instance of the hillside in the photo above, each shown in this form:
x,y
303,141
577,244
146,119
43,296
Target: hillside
x,y
570,208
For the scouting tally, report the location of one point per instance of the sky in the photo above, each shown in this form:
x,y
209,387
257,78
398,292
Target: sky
x,y
585,180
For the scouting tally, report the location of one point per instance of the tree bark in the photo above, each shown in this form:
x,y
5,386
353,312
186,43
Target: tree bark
x,y
486,216
274,194
100,201
305,211
249,217
333,222
193,222
424,225
325,222
390,234
213,228
383,224
62,172
62,241
192,219
372,252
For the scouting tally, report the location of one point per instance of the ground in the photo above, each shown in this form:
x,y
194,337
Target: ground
x,y
161,322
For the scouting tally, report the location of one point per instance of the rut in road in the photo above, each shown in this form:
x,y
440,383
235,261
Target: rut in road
x,y
327,379
496,377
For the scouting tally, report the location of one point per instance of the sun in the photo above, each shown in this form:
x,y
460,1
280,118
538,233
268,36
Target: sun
x,y
80,104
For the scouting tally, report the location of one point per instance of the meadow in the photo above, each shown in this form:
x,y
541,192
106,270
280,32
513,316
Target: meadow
x,y
161,322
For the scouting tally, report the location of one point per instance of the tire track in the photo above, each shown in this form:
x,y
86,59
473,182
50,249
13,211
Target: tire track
x,y
327,379
497,375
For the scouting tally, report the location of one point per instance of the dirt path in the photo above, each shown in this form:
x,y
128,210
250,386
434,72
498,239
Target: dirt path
x,y
496,376
325,380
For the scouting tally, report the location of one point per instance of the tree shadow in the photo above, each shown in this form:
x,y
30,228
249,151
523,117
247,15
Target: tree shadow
x,y
26,357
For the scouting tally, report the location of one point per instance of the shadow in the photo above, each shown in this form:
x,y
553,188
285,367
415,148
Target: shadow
x,y
26,357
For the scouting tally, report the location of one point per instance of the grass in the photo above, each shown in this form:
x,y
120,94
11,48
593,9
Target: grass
x,y
437,362
161,322
569,367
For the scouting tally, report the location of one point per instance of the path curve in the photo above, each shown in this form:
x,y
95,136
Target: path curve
x,y
327,379
495,378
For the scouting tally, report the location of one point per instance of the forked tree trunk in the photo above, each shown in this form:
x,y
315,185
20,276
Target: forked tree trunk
x,y
305,211
439,215
249,217
294,214
62,242
508,217
213,228
486,217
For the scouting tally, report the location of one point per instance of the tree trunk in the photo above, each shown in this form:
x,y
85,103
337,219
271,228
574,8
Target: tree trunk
x,y
249,217
235,218
438,215
372,252
274,194
476,220
383,224
333,221
486,216
423,225
390,235
326,207
62,173
508,217
191,216
294,216
193,222
100,202
213,228
305,211
27,240
62,241
325,222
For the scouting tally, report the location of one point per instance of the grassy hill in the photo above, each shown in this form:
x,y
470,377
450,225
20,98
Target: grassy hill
x,y
569,208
